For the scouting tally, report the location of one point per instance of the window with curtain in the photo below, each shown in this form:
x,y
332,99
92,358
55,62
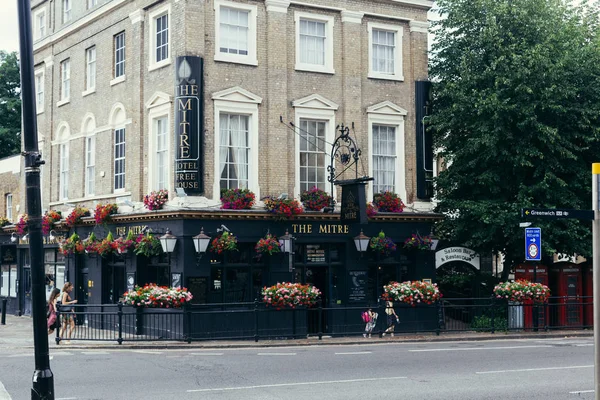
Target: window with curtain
x,y
65,72
119,159
66,11
162,168
90,78
234,150
119,43
162,37
233,31
9,207
384,158
312,42
64,171
384,47
39,91
312,154
90,165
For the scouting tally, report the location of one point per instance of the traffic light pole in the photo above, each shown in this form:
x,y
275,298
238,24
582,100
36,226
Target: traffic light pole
x,y
43,380
596,273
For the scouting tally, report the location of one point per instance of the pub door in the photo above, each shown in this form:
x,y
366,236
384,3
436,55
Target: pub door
x,y
113,283
318,277
81,294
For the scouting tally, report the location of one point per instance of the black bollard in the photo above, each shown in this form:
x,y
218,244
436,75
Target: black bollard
x,y
4,301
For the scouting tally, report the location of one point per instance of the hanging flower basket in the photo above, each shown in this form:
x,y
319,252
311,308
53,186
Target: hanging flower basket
x,y
103,212
268,245
123,244
315,199
107,246
290,295
22,227
49,219
522,290
225,242
382,244
283,208
147,245
237,199
156,199
412,292
388,202
75,217
72,245
154,296
418,242
90,245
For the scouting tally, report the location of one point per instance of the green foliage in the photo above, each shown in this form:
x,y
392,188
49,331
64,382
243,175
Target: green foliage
x,y
516,114
10,104
483,323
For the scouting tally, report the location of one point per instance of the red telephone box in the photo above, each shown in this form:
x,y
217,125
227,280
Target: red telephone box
x,y
588,294
537,275
565,282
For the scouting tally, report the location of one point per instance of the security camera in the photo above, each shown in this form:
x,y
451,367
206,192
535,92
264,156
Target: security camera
x,y
223,228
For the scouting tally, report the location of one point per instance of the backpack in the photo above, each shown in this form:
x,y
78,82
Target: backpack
x,y
366,317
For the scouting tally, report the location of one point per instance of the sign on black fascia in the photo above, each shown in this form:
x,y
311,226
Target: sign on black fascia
x,y
354,203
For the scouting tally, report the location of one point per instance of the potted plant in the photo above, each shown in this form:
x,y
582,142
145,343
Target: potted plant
x,y
22,227
237,199
382,244
4,222
388,202
291,295
103,212
90,244
418,242
268,245
107,246
49,219
412,292
156,199
522,290
123,244
225,242
154,296
75,216
147,245
315,199
72,245
282,208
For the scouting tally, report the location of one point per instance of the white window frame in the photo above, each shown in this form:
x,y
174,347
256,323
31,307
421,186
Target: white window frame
x,y
8,198
65,81
398,74
251,57
328,116
155,113
91,3
90,165
327,68
40,23
90,71
115,159
39,90
66,7
117,62
63,185
396,121
153,16
246,107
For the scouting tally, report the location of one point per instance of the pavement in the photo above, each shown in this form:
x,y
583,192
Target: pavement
x,y
18,333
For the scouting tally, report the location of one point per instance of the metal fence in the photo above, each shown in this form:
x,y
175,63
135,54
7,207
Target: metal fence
x,y
255,321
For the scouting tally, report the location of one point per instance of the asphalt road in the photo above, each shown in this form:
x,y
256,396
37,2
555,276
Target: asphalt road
x,y
500,369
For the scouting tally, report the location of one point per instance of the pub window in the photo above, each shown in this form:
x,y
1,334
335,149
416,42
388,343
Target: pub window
x,y
8,281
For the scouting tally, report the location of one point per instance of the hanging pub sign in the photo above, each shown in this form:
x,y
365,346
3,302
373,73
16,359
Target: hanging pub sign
x,y
189,117
8,254
354,203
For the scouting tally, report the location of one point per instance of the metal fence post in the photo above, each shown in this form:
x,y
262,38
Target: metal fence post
x,y
120,322
294,323
382,306
493,307
546,318
4,301
188,314
440,323
321,319
256,320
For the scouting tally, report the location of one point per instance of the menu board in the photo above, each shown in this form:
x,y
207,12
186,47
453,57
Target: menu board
x,y
198,287
315,254
357,286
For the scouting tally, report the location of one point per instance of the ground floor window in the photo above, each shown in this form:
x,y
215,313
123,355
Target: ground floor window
x,y
54,267
8,281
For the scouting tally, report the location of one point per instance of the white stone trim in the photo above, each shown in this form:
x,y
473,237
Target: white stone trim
x,y
87,117
159,106
159,12
329,48
354,17
251,57
230,103
88,92
112,115
387,113
91,198
158,99
277,5
63,102
317,6
315,101
48,62
422,3
117,80
398,30
137,16
419,26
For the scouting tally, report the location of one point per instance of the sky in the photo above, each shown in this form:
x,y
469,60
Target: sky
x,y
9,26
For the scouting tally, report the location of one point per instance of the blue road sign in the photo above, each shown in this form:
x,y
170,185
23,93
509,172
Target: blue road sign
x,y
533,244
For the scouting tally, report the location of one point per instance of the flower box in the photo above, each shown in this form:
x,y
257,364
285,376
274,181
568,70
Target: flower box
x,y
156,199
49,219
22,226
103,212
290,295
315,199
75,216
283,208
237,199
522,290
412,292
388,202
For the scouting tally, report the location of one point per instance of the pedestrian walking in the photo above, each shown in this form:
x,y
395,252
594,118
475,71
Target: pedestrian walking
x,y
67,313
370,319
392,318
53,321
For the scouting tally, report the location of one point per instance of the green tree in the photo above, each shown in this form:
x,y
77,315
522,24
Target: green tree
x,y
516,115
10,104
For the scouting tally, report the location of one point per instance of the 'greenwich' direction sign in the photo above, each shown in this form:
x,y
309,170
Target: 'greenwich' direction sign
x,y
557,213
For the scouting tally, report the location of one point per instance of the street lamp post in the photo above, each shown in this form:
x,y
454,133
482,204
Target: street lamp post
x,y
43,380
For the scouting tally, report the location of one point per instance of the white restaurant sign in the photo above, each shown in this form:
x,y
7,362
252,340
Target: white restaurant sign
x,y
449,254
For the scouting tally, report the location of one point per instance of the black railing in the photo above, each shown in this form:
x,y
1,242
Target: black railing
x,y
255,321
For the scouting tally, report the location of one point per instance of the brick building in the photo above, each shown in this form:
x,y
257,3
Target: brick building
x,y
274,78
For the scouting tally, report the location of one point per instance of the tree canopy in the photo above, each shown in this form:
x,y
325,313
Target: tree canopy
x,y
516,116
10,104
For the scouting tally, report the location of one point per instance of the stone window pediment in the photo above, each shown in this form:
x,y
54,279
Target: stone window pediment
x,y
237,94
387,108
315,101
